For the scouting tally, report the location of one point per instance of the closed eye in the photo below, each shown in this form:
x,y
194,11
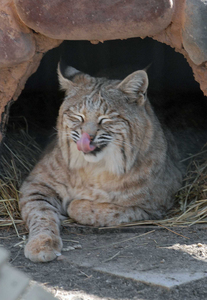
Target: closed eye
x,y
103,119
81,118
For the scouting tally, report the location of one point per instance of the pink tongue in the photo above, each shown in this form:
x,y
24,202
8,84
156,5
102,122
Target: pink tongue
x,y
84,143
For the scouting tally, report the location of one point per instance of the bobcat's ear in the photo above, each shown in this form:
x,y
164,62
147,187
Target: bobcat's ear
x,y
65,77
135,86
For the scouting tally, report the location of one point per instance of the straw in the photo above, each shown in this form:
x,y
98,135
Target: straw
x,y
20,153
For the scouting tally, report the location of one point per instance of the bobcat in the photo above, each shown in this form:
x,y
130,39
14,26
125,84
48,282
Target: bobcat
x,y
111,162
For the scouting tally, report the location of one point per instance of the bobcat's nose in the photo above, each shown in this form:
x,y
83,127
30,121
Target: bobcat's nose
x,y
90,128
92,137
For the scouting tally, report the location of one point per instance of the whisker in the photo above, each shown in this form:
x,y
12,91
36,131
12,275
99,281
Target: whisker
x,y
103,139
53,134
68,135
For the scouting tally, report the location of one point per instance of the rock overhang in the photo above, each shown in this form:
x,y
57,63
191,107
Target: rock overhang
x,y
30,28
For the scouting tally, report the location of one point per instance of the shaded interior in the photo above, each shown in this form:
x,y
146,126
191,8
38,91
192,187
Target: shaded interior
x,y
171,82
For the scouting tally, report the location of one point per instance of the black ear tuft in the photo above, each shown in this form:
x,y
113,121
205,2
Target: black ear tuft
x,y
70,77
67,71
66,75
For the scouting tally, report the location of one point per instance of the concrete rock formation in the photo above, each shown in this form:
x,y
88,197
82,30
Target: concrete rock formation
x,y
28,29
95,19
16,41
16,285
195,30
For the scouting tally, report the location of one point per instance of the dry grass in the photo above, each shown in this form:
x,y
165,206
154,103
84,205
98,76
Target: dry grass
x,y
20,153
191,199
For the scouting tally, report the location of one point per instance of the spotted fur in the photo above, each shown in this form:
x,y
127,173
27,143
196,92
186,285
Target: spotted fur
x,y
131,175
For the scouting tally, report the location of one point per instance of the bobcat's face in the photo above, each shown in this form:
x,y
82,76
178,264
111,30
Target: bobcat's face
x,y
102,120
96,127
90,127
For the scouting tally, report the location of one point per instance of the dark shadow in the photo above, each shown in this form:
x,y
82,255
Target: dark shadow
x,y
172,88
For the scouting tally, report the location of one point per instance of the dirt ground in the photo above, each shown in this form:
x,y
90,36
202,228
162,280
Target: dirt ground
x,y
106,263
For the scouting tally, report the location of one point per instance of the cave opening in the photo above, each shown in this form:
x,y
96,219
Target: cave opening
x,y
171,82
172,90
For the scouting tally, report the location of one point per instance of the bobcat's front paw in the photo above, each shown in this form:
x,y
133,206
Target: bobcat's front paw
x,y
43,247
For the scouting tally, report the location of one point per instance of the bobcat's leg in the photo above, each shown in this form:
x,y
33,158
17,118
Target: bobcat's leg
x,y
87,212
43,222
